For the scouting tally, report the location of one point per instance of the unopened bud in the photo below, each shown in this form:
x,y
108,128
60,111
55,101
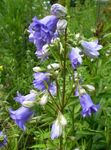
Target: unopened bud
x,y
37,69
62,119
58,10
89,87
53,66
28,104
43,99
61,26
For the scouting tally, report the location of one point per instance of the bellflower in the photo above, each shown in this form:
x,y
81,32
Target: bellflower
x,y
75,57
29,97
3,139
61,26
53,89
39,80
42,31
56,130
21,116
87,105
91,48
58,10
57,126
42,54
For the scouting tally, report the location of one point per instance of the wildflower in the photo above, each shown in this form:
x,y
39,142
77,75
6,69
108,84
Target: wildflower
x,y
91,48
40,79
21,116
42,54
87,105
29,97
42,31
3,139
57,126
56,130
61,26
75,57
58,10
53,89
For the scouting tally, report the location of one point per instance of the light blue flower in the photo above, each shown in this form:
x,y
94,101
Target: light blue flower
x,y
87,105
56,130
58,10
52,88
29,97
75,57
92,48
57,126
42,31
40,79
21,116
3,139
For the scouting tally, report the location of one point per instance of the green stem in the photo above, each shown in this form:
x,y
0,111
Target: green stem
x,y
61,143
64,71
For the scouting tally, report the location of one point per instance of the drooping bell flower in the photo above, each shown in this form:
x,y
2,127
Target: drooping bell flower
x,y
40,79
87,105
29,97
57,127
92,48
21,116
75,57
3,139
61,26
58,10
42,31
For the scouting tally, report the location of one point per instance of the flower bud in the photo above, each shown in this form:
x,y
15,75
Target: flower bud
x,y
81,91
61,26
43,99
53,66
58,10
63,120
37,69
89,87
28,104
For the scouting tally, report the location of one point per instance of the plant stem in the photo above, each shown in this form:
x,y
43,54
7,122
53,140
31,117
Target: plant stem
x,y
64,70
61,143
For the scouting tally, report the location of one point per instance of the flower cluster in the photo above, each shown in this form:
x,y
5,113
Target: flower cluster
x,y
43,31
